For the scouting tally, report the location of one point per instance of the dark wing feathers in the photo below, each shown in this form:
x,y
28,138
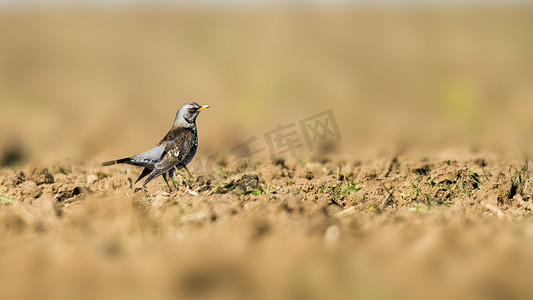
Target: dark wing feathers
x,y
180,143
181,146
175,134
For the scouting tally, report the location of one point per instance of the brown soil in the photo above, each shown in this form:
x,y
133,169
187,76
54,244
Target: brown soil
x,y
391,228
84,85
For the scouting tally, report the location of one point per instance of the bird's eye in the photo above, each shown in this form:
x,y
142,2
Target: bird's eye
x,y
192,109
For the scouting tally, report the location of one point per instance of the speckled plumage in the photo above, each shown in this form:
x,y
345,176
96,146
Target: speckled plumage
x,y
175,150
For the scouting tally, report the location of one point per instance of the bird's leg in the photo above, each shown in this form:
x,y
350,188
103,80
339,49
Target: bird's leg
x,y
165,177
172,175
185,178
188,172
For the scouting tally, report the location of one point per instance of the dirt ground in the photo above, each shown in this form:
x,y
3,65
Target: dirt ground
x,y
427,195
386,228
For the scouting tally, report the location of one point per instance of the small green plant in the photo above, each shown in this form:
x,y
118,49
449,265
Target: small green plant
x,y
340,191
430,199
266,188
474,177
252,192
518,181
415,191
467,182
335,192
449,162
415,207
350,188
222,173
223,187
402,196
458,185
6,200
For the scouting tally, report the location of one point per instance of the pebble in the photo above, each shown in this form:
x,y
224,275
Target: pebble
x,y
332,234
92,178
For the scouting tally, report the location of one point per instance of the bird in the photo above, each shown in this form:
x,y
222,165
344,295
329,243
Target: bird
x,y
173,152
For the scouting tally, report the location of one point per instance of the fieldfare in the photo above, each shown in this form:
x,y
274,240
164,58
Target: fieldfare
x,y
174,151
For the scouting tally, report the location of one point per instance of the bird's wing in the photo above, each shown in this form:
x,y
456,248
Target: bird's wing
x,y
149,158
175,151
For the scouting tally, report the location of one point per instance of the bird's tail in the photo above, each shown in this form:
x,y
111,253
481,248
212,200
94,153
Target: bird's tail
x,y
118,161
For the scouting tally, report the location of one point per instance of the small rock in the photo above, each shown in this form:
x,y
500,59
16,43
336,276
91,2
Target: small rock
x,y
332,234
41,176
193,192
19,179
92,179
481,162
248,182
203,181
30,189
446,175
36,193
422,169
68,193
279,162
518,198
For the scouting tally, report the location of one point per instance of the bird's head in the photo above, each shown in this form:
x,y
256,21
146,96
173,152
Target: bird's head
x,y
186,115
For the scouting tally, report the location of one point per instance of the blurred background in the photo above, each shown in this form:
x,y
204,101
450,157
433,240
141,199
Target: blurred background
x,y
98,80
90,81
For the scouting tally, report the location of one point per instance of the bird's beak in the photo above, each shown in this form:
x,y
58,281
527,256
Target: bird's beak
x,y
203,107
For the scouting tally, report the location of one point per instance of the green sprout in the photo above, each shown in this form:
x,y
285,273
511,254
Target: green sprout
x,y
222,172
6,200
415,208
252,192
350,188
